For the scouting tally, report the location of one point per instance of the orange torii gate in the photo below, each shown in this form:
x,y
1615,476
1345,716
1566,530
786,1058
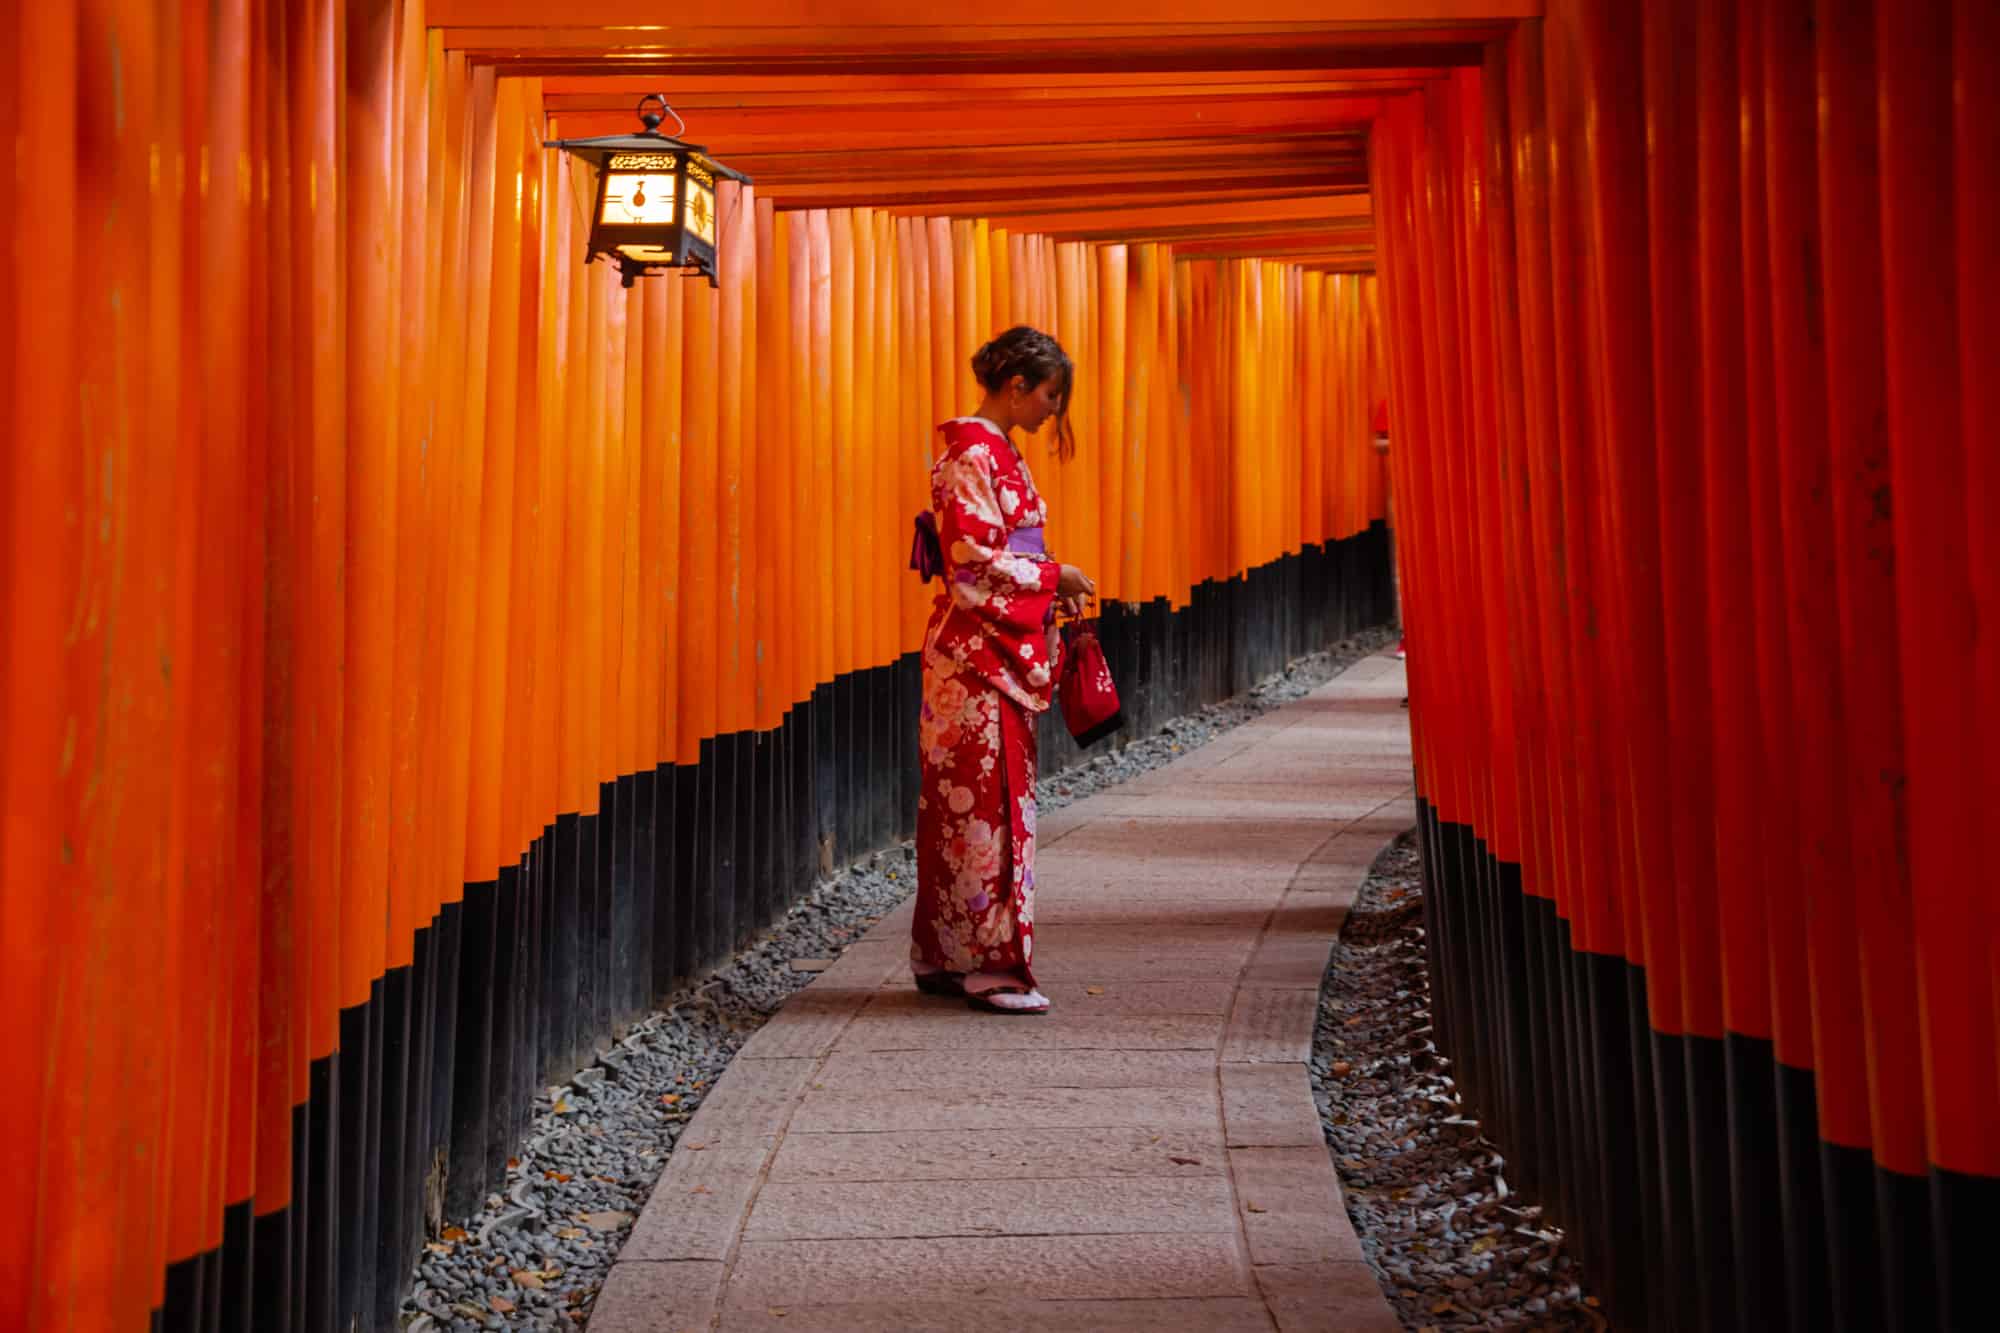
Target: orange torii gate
x,y
367,586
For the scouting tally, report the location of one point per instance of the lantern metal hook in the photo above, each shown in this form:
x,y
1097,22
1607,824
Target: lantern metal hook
x,y
651,119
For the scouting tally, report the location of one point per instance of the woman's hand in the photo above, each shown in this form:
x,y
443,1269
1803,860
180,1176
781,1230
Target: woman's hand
x,y
1073,586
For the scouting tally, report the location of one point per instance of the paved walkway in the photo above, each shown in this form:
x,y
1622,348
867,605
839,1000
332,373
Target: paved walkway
x,y
1146,1156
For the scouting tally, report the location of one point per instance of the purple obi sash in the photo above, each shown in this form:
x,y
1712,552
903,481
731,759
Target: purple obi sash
x,y
1026,541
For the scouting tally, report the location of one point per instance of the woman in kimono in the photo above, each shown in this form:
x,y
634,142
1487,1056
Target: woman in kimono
x,y
989,662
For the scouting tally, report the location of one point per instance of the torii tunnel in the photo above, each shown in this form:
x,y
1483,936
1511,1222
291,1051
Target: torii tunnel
x,y
419,653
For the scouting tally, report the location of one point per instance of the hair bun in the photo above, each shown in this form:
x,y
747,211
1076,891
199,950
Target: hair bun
x,y
1023,351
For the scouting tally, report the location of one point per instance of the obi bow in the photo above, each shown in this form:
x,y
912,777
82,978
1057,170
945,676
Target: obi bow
x,y
927,552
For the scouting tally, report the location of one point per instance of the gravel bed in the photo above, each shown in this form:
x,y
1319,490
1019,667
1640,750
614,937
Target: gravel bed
x,y
1450,1243
536,1254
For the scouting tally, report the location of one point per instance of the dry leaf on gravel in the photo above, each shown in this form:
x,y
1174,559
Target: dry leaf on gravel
x,y
500,1304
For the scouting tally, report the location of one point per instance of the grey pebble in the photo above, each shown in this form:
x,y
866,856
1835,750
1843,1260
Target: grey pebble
x,y
1422,1186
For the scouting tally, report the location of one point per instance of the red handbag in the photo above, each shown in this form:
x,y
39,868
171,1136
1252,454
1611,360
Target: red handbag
x,y
1089,700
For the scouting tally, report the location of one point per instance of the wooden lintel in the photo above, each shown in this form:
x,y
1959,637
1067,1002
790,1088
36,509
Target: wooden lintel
x,y
964,16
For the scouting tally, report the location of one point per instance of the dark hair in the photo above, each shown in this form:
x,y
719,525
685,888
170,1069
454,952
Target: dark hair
x,y
1035,357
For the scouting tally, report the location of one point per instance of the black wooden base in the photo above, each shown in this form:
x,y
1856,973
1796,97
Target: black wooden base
x,y
1688,1171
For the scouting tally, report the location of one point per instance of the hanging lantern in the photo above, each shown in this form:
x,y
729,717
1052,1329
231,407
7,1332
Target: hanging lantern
x,y
655,198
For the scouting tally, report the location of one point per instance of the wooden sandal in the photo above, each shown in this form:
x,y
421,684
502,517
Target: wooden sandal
x,y
982,1000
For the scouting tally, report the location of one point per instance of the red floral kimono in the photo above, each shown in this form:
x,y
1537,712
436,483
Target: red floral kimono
x,y
989,664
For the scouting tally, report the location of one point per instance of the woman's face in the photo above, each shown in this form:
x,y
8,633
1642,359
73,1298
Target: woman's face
x,y
1036,405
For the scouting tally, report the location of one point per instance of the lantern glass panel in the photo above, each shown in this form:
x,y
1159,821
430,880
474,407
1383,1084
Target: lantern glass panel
x,y
648,254
701,212
634,198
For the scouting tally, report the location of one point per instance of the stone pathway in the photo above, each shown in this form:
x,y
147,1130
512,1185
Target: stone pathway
x,y
1147,1155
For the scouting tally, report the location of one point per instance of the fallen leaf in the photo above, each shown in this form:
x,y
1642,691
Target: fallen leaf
x,y
454,1233
701,1189
670,1099
1185,1161
513,1164
1093,990
560,1177
605,1221
1341,1069
605,1180
562,1108
1255,1208
500,1304
435,1248
694,1147
1354,1022
1483,1244
523,1278
776,1313
570,1233
1443,1307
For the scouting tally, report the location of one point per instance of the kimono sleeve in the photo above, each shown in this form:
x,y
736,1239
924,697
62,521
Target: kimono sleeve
x,y
1007,588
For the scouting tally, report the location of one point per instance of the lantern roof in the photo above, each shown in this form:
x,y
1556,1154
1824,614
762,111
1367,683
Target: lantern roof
x,y
601,149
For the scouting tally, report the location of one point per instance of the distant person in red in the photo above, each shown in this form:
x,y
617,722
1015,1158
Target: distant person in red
x,y
1381,428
